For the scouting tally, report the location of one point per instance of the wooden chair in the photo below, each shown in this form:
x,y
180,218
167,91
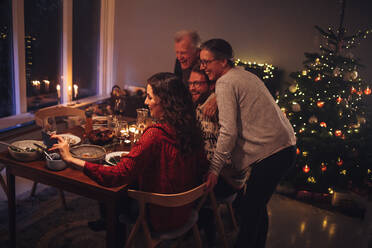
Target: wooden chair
x,y
2,181
41,119
166,200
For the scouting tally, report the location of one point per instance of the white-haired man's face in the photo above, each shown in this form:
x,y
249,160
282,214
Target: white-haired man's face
x,y
186,53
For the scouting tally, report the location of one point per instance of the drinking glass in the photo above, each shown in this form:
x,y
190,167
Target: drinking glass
x,y
142,116
122,131
49,127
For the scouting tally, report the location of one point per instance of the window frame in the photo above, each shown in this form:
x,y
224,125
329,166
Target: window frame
x,y
105,60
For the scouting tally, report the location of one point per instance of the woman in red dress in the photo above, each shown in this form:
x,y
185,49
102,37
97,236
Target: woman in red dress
x,y
168,158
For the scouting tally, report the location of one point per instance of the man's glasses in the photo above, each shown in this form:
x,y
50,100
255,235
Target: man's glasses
x,y
205,62
196,83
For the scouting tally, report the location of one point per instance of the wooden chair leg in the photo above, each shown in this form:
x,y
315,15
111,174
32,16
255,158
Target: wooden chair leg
x,y
3,185
62,196
232,214
195,231
219,222
33,190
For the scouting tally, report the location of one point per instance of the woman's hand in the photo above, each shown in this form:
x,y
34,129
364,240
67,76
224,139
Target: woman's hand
x,y
62,146
64,150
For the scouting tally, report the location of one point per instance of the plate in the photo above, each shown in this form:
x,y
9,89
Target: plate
x,y
90,153
71,139
113,154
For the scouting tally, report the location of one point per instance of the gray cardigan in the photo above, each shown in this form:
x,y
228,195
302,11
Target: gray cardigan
x,y
252,126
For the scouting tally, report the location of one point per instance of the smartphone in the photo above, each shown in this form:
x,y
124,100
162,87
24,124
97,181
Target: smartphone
x,y
47,140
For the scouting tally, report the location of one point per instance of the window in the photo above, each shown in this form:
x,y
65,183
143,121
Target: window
x,y
49,42
86,34
6,86
42,52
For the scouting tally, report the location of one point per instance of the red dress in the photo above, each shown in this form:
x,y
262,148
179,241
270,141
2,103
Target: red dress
x,y
155,164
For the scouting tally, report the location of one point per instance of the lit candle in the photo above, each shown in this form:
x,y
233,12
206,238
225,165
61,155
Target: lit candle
x,y
58,91
76,90
46,85
69,93
36,84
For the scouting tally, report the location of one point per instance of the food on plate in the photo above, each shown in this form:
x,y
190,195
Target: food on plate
x,y
101,136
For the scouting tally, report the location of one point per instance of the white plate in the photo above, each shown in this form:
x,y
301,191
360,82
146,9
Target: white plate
x,y
71,139
113,154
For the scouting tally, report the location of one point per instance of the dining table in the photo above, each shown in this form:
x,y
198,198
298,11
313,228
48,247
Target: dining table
x,y
71,180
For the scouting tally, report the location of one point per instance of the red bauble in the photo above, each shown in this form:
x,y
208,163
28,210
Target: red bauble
x,y
323,167
339,99
323,124
306,168
339,162
297,151
367,91
338,133
353,90
320,104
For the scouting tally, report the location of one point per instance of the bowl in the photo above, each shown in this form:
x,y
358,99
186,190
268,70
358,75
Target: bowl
x,y
26,156
57,164
89,153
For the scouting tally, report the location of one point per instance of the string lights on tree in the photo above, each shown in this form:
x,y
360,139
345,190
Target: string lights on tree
x,y
326,106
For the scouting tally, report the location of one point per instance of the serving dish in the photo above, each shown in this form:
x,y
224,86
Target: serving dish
x,y
101,136
113,158
32,151
89,153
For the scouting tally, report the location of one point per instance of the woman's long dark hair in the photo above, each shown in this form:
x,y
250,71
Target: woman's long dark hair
x,y
177,104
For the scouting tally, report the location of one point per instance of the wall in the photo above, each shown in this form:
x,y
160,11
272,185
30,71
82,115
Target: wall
x,y
276,32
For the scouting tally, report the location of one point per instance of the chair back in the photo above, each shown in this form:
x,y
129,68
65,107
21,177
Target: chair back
x,y
165,200
168,200
42,115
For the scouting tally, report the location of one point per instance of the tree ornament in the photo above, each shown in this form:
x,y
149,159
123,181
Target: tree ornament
x,y
323,167
367,91
339,161
338,133
320,104
313,119
354,75
359,92
361,120
323,124
304,72
306,168
293,88
296,107
317,61
318,78
339,99
337,72
298,151
353,90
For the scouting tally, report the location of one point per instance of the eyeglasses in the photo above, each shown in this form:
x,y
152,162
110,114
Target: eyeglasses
x,y
196,83
205,62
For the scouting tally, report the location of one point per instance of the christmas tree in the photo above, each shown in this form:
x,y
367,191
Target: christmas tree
x,y
326,106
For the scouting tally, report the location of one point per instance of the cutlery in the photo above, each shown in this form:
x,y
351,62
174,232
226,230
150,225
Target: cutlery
x,y
44,150
13,146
